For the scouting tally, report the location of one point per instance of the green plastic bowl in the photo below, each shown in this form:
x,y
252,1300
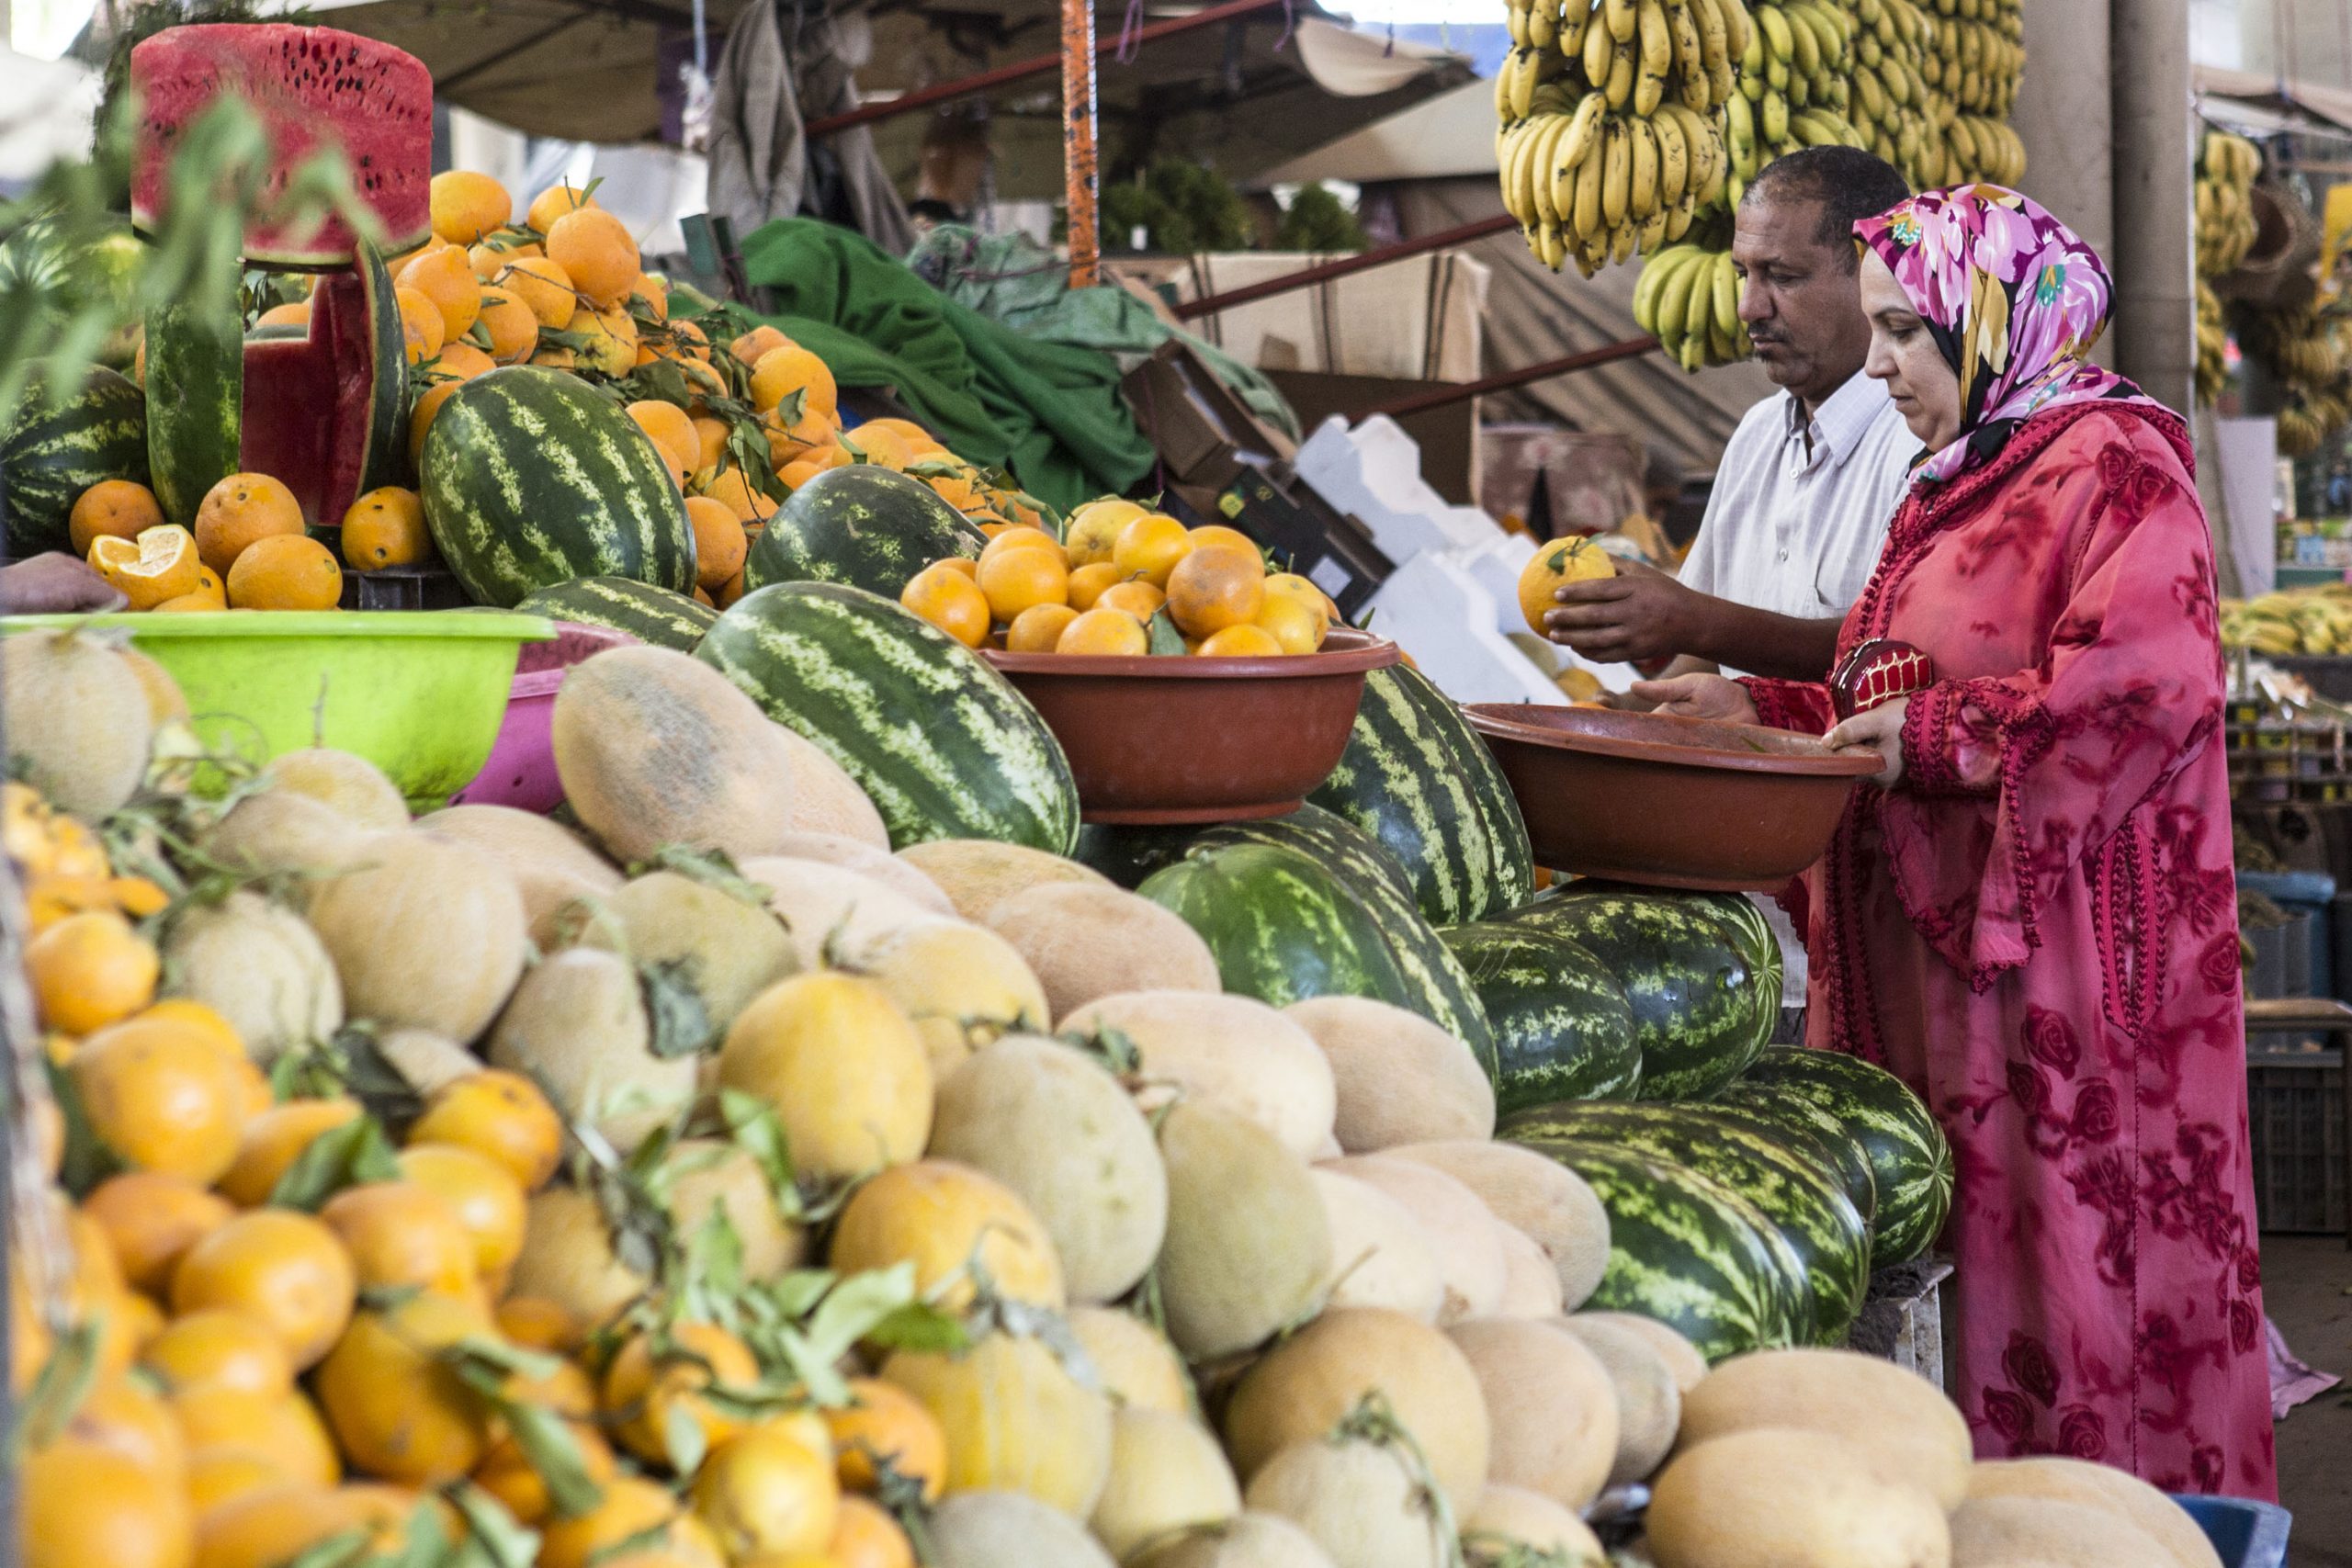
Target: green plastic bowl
x,y
420,694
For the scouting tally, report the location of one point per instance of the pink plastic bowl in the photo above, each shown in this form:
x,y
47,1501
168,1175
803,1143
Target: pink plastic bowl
x,y
521,770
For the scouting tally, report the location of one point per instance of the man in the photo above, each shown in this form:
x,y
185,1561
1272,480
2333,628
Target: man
x,y
1812,476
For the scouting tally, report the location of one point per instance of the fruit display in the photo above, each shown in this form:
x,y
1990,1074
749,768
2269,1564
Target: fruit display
x,y
2306,350
2227,167
2291,621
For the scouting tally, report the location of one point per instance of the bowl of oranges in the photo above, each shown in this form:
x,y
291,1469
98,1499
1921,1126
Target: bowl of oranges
x,y
1185,681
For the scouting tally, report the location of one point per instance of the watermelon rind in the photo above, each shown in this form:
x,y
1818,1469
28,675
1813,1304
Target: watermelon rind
x,y
384,459
532,477
1793,1116
1416,777
661,617
939,742
50,453
1562,1028
1909,1155
1684,1249
196,389
863,524
1280,926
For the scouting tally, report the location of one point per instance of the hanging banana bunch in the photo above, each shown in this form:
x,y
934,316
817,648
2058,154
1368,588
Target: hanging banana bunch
x,y
1901,118
1793,86
2302,348
2212,345
2227,167
1976,56
1687,298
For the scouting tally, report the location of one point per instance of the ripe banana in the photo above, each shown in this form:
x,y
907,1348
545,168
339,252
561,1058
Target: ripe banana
x,y
1673,158
1548,131
1616,190
1641,199
1622,18
1657,39
1779,43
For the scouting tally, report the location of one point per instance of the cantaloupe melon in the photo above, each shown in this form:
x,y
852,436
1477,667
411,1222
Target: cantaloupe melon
x,y
351,786
553,867
166,701
1400,1078
654,748
1245,1540
830,911
79,726
1649,1405
2100,1486
1380,1254
1247,1246
718,946
842,1067
825,799
426,934
1779,1497
1462,1229
867,860
1682,1358
568,1257
577,1025
956,1225
1530,1285
2038,1532
259,966
1551,1406
1085,942
1133,1361
1010,1529
1167,1473
1908,1432
959,984
1052,1125
976,874
424,1060
1015,1419
276,831
1544,1199
1363,1502
1307,1385
1508,1516
1225,1051
707,1177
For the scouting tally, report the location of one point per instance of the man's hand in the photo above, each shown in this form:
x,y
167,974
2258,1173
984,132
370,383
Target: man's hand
x,y
1699,696
1640,613
1880,729
55,584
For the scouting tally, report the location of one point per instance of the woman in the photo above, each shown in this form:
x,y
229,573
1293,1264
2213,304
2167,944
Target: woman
x,y
2032,917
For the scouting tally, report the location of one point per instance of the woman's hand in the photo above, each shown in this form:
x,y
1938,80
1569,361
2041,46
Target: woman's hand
x,y
1699,696
1880,729
55,584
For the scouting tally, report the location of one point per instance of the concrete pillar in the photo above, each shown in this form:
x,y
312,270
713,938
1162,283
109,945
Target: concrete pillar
x,y
2152,256
2063,115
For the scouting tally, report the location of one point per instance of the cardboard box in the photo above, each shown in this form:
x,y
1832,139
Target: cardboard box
x,y
1203,434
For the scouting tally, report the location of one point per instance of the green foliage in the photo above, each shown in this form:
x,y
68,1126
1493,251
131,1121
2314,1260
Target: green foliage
x,y
1319,222
1183,208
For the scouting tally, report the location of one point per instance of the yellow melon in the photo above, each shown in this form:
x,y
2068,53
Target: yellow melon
x,y
960,985
79,726
831,910
1015,1420
2040,1532
1133,1362
842,1068
1246,1247
1782,1497
825,799
1085,942
577,1025
997,1530
870,861
1166,1474
1504,1516
2100,1486
552,867
1400,1078
1551,1204
1468,1242
1225,1051
567,1258
1247,1540
1380,1254
425,932
719,947
1649,1405
976,874
259,966
351,786
1554,1408
1364,1501
1907,1431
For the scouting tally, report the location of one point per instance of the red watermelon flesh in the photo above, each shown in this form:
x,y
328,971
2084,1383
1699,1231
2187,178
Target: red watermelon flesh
x,y
313,87
324,413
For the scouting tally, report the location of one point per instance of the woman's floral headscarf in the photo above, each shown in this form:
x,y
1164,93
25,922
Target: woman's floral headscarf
x,y
2014,300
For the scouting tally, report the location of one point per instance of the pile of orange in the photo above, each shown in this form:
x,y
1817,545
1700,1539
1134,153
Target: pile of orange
x,y
1119,568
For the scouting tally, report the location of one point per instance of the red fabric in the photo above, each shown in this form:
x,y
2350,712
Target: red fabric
x,y
2037,928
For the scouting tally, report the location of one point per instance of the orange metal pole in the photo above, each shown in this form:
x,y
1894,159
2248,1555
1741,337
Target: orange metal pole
x,y
1079,178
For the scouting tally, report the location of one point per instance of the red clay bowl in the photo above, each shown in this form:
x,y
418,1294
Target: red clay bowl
x,y
1186,740
1669,802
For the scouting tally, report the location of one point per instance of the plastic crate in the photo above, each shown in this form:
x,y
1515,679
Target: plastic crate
x,y
2246,1534
2295,1114
2310,949
403,588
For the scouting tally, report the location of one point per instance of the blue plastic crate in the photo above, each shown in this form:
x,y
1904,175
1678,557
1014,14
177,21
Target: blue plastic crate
x,y
2310,968
2248,1534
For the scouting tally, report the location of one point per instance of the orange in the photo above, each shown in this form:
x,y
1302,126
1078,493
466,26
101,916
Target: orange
x,y
489,257
397,1409
512,325
866,1536
654,293
421,327
541,283
880,447
120,1412
1150,547
399,1233
536,1324
90,970
814,462
420,419
711,442
1017,579
763,1492
1104,631
286,1268
672,430
1038,628
150,1217
1210,534
276,1525
1290,585
596,251
733,487
294,313
1553,563
272,1141
84,1505
632,1507
1240,642
950,600
160,1099
961,491
217,1348
1094,529
1297,626
553,202
290,572
652,1384
216,1477
127,1324
1087,583
761,340
780,372
1021,539
887,1425
160,564
239,509
1214,588
283,1427
507,1474
918,442
445,278
482,1194
611,339
386,528
815,428
719,542
461,362
1138,599
116,507
500,1115
729,592
686,342
963,564
467,206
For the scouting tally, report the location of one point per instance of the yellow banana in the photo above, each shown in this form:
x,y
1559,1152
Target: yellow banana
x,y
1576,16
1646,287
1621,75
1649,91
1772,122
1543,25
1655,37
1549,130
1599,49
1778,42
1804,56
1584,130
1723,286
1642,198
1652,233
1739,26
1673,158
1590,174
1622,240
1677,219
1622,18
1714,33
1551,247
1616,190
1699,307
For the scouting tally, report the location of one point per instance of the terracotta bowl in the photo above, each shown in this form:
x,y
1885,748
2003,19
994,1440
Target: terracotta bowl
x,y
1669,802
1185,739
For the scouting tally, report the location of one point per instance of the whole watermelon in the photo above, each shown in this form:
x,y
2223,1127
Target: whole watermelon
x,y
1281,926
651,614
1562,1028
869,526
50,453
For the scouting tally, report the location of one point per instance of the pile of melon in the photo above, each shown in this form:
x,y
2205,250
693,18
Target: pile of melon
x,y
1196,1283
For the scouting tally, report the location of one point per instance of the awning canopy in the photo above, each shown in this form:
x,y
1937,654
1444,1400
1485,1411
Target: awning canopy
x,y
1447,137
2291,105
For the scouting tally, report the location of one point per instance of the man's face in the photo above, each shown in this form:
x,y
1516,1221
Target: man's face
x,y
1800,298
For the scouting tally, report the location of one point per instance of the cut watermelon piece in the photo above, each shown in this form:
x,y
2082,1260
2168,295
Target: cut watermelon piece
x,y
323,412
313,87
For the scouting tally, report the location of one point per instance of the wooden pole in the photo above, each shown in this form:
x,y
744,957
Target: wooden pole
x,y
1323,272
1080,174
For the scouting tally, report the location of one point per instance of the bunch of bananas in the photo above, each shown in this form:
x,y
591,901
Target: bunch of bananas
x,y
1900,117
2296,621
2212,346
1976,55
2306,351
2226,168
1610,121
1687,298
1793,87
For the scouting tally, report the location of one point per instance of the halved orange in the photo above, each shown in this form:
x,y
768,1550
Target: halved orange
x,y
160,564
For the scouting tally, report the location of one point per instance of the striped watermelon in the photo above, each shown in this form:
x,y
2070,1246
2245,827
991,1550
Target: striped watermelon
x,y
1562,1028
50,455
1806,1127
532,479
1909,1155
1283,926
942,744
651,614
1794,1191
869,526
1416,778
1699,1010
196,389
1684,1249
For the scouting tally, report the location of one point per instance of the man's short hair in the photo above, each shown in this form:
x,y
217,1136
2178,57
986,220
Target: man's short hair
x,y
1850,185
